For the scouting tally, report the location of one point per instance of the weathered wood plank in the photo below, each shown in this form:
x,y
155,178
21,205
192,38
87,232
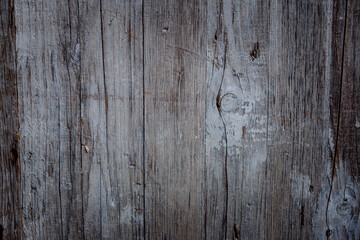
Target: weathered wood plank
x,y
49,106
237,118
122,178
175,91
216,180
298,114
10,171
93,116
304,109
112,118
81,125
342,208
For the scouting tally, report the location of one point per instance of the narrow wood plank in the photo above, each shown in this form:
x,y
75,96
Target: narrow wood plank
x,y
122,178
93,118
10,170
111,113
216,175
342,209
175,91
65,65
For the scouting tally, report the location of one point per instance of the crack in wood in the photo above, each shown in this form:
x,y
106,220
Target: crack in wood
x,y
328,231
106,109
218,106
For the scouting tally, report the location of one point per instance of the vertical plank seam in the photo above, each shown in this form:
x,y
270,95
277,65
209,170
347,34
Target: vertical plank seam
x,y
205,129
268,92
59,172
267,115
17,127
205,140
81,125
328,232
67,231
143,117
106,109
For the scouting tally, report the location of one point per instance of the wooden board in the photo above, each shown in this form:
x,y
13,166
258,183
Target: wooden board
x,y
179,119
10,173
49,114
237,118
80,97
175,93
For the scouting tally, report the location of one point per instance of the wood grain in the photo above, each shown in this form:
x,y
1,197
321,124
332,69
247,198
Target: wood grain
x,y
175,92
80,176
344,193
237,118
49,114
10,170
122,168
134,119
298,115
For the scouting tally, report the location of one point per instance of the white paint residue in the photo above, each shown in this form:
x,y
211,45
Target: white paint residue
x,y
87,149
357,124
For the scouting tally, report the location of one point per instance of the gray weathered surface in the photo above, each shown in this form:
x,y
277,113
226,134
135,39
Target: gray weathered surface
x,y
180,119
10,174
175,92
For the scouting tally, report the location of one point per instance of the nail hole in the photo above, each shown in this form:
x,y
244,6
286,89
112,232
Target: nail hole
x,y
328,233
255,52
51,170
14,154
165,29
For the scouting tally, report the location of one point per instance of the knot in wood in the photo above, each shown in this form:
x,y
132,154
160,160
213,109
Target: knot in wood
x,y
343,208
228,102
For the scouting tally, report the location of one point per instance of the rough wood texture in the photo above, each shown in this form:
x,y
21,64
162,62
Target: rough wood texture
x,y
180,119
49,115
10,174
175,92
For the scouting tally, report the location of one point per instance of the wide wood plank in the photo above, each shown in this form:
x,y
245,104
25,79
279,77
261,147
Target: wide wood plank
x,y
236,118
81,123
49,110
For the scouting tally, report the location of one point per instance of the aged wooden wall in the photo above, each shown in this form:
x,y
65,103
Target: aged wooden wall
x,y
194,119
